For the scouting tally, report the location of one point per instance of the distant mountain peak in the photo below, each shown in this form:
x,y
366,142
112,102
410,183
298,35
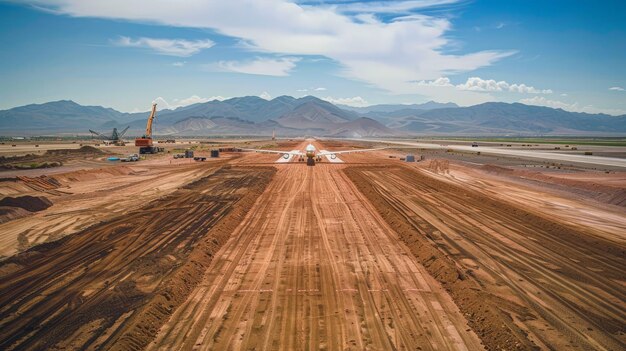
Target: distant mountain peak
x,y
284,98
294,116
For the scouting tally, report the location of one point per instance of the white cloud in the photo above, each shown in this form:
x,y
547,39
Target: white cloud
x,y
616,88
179,63
388,55
388,6
172,47
439,82
175,103
483,85
563,94
265,95
356,101
304,90
262,66
525,89
479,84
573,107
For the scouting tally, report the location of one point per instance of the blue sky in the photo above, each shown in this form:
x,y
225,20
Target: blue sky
x,y
125,54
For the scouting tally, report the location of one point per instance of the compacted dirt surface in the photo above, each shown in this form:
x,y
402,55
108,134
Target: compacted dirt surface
x,y
90,288
313,266
243,253
525,277
81,198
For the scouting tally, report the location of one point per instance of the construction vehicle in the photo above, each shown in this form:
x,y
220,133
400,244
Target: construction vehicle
x,y
145,143
130,158
115,138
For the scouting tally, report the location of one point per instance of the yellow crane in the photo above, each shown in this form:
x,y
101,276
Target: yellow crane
x,y
145,143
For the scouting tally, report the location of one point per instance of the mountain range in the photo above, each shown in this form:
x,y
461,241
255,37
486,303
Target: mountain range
x,y
289,116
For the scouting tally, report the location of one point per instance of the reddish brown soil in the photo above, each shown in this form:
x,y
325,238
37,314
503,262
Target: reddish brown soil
x,y
131,271
523,280
51,158
9,213
602,191
228,255
312,266
29,203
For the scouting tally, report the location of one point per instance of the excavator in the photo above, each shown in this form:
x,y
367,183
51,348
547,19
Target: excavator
x,y
145,143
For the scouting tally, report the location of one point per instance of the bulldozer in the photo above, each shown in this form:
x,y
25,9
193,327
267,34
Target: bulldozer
x,y
145,143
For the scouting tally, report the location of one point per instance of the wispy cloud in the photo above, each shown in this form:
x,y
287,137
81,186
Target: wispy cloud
x,y
390,6
172,47
179,63
616,88
356,101
175,103
439,82
280,67
311,89
386,54
573,107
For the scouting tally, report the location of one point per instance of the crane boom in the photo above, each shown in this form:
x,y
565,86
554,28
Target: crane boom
x,y
150,119
145,143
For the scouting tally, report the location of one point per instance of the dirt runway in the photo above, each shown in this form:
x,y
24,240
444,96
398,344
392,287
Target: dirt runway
x,y
313,266
242,253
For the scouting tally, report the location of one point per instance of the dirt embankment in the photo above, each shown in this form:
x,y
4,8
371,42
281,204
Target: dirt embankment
x,y
50,184
42,191
113,284
17,207
523,280
84,150
51,158
8,213
29,203
610,194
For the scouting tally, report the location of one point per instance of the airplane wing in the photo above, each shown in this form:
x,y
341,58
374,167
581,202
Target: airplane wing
x,y
324,153
290,153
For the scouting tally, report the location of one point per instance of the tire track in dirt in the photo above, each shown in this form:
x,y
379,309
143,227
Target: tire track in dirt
x,y
313,266
79,292
552,285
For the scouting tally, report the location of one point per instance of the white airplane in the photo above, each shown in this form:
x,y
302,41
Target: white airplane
x,y
311,153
